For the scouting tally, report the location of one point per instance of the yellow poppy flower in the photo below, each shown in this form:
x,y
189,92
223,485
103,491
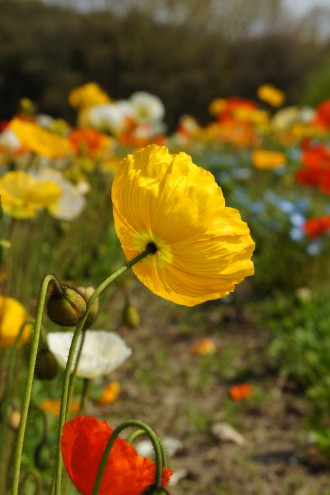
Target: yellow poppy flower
x,y
203,248
87,95
39,140
12,317
265,159
23,195
271,95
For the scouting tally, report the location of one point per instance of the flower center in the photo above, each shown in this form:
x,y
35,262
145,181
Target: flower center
x,y
152,247
159,249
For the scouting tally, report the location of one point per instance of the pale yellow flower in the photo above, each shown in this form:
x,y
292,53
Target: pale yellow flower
x,y
12,316
202,248
24,195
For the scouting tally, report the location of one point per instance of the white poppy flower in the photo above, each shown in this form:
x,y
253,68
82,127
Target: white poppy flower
x,y
9,140
111,117
146,107
72,201
101,354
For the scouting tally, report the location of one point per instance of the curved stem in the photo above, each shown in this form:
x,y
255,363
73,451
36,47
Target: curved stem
x,y
155,443
29,380
66,381
134,435
137,433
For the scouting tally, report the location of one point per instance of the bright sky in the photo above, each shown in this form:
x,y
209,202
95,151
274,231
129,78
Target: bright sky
x,y
300,7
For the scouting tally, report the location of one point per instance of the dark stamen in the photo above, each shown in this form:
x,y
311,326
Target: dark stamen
x,y
152,247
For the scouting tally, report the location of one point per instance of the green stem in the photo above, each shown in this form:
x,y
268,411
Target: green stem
x,y
84,395
29,380
66,380
137,433
73,374
156,445
5,406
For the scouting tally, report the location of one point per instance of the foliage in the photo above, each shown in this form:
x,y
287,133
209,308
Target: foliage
x,y
301,345
55,49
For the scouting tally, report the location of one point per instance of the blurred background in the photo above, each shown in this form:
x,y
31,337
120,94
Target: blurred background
x,y
187,52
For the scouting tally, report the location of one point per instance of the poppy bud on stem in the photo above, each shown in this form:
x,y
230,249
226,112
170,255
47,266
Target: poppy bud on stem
x,y
66,387
65,305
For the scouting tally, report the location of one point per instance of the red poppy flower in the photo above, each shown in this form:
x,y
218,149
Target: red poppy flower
x,y
83,442
316,168
322,117
240,391
317,226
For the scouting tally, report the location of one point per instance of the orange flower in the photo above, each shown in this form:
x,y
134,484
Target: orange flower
x,y
266,159
203,347
88,142
231,108
109,394
240,391
53,406
83,442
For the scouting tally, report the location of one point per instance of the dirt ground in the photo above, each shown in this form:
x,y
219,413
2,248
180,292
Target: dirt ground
x,y
183,396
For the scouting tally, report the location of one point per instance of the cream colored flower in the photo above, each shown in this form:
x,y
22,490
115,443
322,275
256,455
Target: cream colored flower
x,y
102,351
146,107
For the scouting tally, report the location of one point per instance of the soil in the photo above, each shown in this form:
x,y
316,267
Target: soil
x,y
182,396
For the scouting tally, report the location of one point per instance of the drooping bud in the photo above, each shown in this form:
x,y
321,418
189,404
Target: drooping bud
x,y
93,310
131,316
46,365
65,305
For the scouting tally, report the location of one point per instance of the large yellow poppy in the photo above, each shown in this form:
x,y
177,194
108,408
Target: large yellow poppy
x,y
202,248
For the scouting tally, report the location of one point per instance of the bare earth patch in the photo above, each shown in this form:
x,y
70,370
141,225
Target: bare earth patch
x,y
182,395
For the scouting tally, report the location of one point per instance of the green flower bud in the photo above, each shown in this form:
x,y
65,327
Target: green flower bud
x,y
87,292
131,316
46,365
66,306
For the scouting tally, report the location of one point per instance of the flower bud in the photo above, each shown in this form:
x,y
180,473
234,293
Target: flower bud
x,y
46,365
131,316
14,419
66,306
93,310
